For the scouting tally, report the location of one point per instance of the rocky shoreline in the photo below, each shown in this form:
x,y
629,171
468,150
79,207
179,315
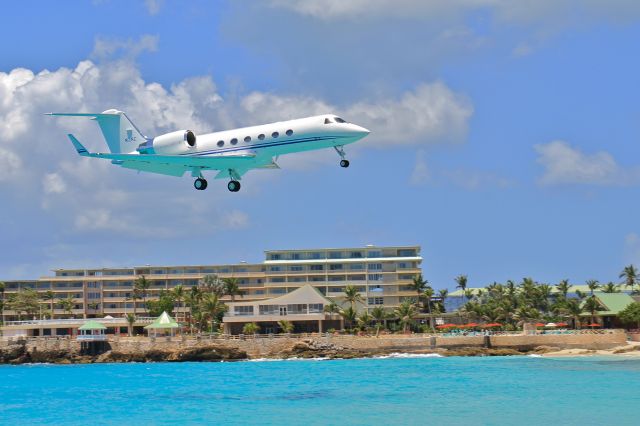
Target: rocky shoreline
x,y
301,349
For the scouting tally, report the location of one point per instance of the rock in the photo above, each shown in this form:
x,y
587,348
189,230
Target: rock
x,y
208,353
545,349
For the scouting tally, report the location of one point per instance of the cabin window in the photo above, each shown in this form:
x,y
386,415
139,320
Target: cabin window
x,y
275,134
234,141
261,136
247,139
289,132
339,120
327,121
220,143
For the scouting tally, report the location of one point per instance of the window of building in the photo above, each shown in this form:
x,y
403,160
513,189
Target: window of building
x,y
243,310
376,300
336,289
357,267
335,255
316,267
337,278
247,139
275,268
335,267
296,268
375,277
296,256
275,256
261,136
315,255
359,277
220,144
278,291
269,309
406,252
316,308
355,254
297,279
289,132
374,254
375,266
277,280
275,134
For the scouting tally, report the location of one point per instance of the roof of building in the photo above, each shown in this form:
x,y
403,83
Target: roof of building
x,y
613,302
307,294
164,321
92,325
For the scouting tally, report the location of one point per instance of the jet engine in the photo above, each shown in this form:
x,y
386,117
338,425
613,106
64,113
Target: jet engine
x,y
177,142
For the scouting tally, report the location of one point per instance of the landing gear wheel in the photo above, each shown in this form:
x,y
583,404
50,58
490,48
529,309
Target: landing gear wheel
x,y
200,184
233,186
344,163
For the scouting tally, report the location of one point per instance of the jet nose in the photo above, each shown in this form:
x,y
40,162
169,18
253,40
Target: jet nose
x,y
361,131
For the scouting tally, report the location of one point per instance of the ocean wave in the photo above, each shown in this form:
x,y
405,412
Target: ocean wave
x,y
408,355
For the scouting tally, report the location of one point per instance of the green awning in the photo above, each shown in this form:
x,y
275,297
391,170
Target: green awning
x,y
163,321
92,325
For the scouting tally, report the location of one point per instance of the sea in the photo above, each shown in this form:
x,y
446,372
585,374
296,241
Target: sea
x,y
394,390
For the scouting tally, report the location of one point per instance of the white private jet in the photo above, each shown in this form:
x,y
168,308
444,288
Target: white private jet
x,y
232,152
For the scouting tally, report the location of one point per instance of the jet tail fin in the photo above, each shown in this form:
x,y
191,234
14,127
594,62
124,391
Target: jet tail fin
x,y
118,130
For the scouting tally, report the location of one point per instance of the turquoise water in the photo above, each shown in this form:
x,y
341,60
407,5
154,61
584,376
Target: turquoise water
x,y
408,391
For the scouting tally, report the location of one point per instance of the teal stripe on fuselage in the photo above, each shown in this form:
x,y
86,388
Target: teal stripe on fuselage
x,y
265,145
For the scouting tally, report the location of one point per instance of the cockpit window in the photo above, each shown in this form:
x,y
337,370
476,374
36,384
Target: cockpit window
x,y
339,120
327,121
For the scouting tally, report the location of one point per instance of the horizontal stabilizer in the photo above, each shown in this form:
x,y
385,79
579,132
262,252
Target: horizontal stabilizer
x,y
78,146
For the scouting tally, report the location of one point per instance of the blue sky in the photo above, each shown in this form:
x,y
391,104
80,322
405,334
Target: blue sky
x,y
505,134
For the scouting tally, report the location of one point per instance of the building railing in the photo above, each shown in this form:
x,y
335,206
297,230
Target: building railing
x,y
76,321
91,337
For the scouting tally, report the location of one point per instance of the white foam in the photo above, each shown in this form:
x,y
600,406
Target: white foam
x,y
408,355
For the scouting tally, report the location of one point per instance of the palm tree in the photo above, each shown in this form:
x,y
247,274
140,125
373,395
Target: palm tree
x,y
630,276
364,320
349,316
178,294
68,304
443,293
592,306
428,295
212,284
193,299
213,307
142,285
610,288
593,285
419,285
352,295
131,319
573,308
50,296
250,328
461,281
286,326
379,314
563,287
232,288
2,289
334,308
405,312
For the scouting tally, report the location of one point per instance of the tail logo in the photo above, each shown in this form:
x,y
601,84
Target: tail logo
x,y
130,137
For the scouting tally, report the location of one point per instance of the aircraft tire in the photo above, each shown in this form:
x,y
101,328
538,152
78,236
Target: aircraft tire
x,y
200,184
233,186
344,163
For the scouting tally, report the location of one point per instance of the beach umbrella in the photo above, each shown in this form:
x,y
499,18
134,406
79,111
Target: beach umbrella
x,y
493,324
471,324
562,324
551,324
593,324
539,324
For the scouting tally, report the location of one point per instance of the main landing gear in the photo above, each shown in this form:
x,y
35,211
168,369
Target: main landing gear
x,y
200,184
344,162
233,186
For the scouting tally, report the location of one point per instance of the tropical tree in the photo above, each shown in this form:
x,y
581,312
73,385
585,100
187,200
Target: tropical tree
x,y
250,328
26,300
573,308
332,308
2,289
428,295
461,282
629,276
68,304
142,284
443,293
468,294
352,295
419,285
178,295
349,316
193,299
593,285
563,288
214,309
131,319
379,314
406,312
232,288
610,288
49,296
364,320
285,326
212,284
164,303
631,314
592,306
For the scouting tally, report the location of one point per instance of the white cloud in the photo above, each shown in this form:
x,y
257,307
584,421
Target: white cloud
x,y
52,183
564,164
420,173
153,6
109,47
10,164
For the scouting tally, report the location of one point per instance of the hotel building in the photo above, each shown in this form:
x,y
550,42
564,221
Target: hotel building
x,y
381,274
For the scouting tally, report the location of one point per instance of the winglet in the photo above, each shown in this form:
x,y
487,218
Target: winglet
x,y
78,146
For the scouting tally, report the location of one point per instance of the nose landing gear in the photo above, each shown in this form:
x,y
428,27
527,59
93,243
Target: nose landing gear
x,y
343,162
